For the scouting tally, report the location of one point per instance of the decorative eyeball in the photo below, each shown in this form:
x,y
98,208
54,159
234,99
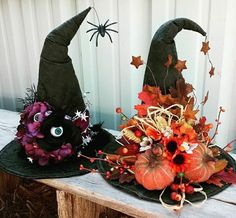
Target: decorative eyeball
x,y
36,117
56,131
67,117
47,113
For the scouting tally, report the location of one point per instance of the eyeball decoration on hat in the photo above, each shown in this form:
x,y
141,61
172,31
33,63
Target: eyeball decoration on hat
x,y
165,153
54,127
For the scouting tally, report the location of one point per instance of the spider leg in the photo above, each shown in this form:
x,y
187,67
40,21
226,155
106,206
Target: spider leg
x,y
109,36
97,40
92,24
91,30
111,24
93,35
105,23
112,30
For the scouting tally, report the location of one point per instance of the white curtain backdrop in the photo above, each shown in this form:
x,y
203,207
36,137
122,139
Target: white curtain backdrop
x,y
105,71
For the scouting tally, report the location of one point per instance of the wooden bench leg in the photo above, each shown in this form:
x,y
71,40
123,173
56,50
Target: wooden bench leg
x,y
8,182
71,206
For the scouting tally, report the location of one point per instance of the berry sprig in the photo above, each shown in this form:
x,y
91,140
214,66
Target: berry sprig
x,y
217,123
123,116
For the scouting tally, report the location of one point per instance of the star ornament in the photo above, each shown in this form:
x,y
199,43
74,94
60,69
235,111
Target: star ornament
x,y
180,65
212,71
136,61
205,47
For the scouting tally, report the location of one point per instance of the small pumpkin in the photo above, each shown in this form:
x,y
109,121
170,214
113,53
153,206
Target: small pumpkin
x,y
153,172
201,164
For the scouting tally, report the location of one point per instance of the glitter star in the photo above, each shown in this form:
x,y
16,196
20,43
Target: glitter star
x,y
83,116
136,61
205,47
30,159
86,140
78,114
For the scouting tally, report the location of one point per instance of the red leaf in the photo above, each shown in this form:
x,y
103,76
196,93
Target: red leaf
x,y
142,109
215,180
228,177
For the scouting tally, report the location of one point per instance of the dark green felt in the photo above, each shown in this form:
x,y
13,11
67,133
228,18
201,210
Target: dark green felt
x,y
139,191
58,84
162,45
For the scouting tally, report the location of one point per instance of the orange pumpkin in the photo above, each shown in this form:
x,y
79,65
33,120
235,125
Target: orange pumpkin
x,y
201,164
153,172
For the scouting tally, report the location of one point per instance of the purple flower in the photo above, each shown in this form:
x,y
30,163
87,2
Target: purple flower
x,y
38,107
43,161
66,150
29,149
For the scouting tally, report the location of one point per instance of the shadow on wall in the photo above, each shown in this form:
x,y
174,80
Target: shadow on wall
x,y
110,120
11,105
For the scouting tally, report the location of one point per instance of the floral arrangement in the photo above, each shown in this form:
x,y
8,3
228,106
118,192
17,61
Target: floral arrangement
x,y
47,135
166,147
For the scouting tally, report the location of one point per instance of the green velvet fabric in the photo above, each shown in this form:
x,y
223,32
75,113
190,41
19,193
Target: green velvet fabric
x,y
162,45
139,191
58,84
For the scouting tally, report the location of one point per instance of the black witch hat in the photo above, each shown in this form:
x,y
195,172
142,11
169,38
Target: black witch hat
x,y
55,127
162,46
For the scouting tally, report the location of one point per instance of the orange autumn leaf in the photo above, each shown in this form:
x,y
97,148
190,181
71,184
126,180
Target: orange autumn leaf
x,y
130,122
190,113
136,61
152,96
181,91
205,98
152,133
188,130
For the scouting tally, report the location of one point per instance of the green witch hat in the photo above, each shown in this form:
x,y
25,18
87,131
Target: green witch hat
x,y
55,127
137,136
58,84
162,46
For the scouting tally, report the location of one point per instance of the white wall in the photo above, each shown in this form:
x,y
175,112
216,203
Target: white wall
x,y
105,71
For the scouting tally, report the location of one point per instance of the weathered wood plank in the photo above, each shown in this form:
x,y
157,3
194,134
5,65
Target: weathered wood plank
x,y
8,183
72,206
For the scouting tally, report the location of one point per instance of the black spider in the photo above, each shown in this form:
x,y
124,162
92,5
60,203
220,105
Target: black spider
x,y
102,30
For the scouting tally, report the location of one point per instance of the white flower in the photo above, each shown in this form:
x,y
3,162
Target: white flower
x,y
167,132
189,147
86,140
145,144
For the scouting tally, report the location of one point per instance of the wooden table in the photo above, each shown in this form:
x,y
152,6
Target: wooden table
x,y
89,195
